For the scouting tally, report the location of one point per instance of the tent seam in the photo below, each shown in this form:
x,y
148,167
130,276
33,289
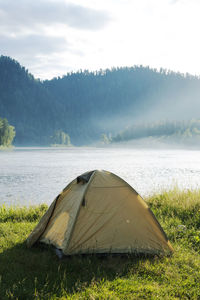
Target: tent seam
x,y
78,211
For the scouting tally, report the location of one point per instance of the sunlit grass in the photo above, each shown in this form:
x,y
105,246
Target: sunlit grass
x,y
18,214
37,273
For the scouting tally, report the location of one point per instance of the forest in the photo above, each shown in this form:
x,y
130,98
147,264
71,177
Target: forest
x,y
182,132
7,133
86,105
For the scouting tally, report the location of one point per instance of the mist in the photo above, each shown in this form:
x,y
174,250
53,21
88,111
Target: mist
x,y
167,103
86,105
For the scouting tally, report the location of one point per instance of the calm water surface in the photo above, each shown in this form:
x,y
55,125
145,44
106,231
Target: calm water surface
x,y
37,175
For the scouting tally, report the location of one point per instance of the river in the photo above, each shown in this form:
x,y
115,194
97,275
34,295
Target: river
x,y
30,176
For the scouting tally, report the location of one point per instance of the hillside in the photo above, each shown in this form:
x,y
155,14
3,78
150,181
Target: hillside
x,y
85,104
25,103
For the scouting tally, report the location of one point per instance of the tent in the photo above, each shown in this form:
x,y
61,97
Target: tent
x,y
98,212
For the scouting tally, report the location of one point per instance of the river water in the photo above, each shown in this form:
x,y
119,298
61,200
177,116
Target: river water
x,y
30,176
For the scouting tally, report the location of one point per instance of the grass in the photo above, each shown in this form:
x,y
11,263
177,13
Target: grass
x,y
37,273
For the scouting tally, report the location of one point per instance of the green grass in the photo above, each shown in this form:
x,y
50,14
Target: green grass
x,y
37,273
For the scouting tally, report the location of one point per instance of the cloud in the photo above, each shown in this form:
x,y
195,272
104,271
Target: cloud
x,y
174,1
17,15
44,56
52,65
35,32
32,45
51,36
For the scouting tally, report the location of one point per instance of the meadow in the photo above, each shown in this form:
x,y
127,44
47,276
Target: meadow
x,y
37,273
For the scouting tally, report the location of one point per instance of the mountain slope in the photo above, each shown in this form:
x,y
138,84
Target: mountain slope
x,y
25,103
87,104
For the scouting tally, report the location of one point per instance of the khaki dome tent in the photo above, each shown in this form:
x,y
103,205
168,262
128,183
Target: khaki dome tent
x,y
99,212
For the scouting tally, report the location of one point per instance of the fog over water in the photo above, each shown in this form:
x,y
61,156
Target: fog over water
x,y
36,175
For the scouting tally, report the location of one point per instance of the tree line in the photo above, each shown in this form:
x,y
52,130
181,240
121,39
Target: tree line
x,y
7,133
175,130
84,105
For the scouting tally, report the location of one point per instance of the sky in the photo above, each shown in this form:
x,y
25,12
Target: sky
x,y
53,37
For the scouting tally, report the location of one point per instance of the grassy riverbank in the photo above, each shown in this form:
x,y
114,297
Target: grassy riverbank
x,y
37,273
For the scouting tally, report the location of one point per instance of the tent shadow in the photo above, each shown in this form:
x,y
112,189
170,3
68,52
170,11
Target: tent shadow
x,y
26,273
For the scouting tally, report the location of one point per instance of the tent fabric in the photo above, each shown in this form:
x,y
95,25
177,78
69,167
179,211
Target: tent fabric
x,y
40,228
101,215
84,177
